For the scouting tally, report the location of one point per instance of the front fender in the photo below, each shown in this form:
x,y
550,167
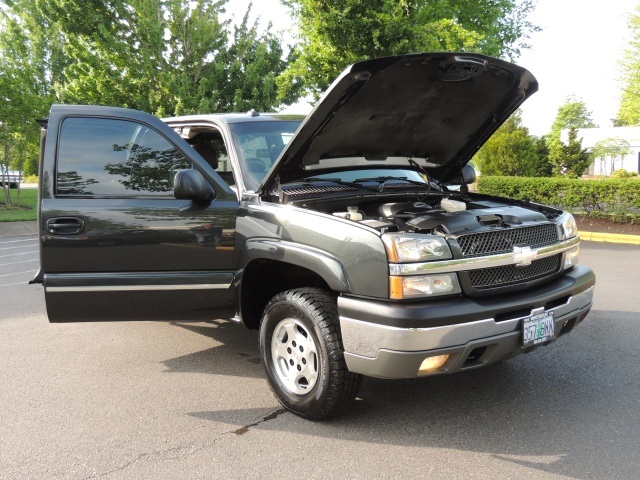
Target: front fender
x,y
313,259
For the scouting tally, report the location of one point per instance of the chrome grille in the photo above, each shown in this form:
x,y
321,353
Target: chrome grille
x,y
503,241
511,274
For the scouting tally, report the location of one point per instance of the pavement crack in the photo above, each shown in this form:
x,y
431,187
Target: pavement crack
x,y
271,416
240,431
135,460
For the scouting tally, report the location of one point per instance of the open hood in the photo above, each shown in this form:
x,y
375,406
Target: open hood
x,y
437,108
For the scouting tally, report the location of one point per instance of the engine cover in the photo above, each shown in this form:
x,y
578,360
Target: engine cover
x,y
466,221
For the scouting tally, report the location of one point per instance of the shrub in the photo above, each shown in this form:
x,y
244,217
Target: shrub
x,y
622,173
614,199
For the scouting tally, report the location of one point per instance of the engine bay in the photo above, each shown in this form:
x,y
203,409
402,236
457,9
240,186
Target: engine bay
x,y
442,215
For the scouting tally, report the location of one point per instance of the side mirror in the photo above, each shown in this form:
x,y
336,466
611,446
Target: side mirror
x,y
468,174
189,184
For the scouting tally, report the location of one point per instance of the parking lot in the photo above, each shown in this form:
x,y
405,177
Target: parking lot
x,y
189,400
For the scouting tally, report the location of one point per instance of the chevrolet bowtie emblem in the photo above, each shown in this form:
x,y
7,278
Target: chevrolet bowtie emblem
x,y
523,256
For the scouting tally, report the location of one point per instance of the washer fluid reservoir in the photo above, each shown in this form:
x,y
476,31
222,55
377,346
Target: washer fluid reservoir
x,y
452,205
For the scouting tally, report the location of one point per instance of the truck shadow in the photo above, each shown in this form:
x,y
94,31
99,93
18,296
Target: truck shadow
x,y
238,353
571,409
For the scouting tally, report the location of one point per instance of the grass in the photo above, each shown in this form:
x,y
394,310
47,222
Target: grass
x,y
28,209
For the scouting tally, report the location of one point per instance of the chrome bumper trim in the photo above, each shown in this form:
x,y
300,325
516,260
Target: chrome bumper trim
x,y
366,339
476,263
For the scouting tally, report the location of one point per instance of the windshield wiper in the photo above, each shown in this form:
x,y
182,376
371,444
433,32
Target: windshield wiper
x,y
338,182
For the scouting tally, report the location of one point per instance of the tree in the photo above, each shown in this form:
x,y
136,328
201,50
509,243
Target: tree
x,y
336,34
544,168
510,151
167,57
572,114
571,160
173,57
25,92
629,109
608,152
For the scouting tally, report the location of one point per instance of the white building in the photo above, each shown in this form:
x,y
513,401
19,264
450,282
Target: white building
x,y
591,136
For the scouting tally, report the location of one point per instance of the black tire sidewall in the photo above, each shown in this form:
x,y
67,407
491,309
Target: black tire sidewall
x,y
312,401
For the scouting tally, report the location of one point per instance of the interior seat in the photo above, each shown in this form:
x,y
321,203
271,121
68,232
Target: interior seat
x,y
207,152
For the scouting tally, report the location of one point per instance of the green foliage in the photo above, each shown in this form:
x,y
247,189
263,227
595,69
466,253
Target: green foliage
x,y
338,33
609,151
622,173
572,113
544,168
614,199
629,109
31,163
25,93
570,159
168,57
566,159
510,151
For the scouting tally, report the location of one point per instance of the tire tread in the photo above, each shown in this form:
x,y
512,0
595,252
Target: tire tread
x,y
343,385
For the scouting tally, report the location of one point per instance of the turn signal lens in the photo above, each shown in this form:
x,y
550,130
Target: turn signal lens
x,y
430,364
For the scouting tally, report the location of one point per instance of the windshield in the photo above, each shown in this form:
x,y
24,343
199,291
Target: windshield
x,y
259,145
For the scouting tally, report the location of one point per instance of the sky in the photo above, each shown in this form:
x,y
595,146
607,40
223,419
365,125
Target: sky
x,y
577,53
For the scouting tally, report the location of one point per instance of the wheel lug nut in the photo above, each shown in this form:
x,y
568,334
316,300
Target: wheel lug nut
x,y
293,343
288,350
291,362
299,368
301,349
304,361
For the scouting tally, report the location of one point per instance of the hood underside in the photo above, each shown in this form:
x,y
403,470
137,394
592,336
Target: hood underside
x,y
437,108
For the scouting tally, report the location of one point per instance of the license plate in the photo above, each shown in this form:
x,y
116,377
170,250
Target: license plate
x,y
538,328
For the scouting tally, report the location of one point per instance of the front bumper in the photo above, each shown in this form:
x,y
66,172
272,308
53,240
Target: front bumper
x,y
390,340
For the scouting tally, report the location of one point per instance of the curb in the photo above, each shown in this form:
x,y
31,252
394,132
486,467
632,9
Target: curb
x,y
610,238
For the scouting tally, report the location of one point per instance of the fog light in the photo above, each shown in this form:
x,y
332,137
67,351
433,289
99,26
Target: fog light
x,y
571,257
430,364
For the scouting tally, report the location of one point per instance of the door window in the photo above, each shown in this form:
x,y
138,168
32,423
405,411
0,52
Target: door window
x,y
110,157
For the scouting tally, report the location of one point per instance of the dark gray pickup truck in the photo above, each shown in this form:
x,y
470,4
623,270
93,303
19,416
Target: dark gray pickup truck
x,y
347,237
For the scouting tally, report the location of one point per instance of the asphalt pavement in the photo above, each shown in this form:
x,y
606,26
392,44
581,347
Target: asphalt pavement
x,y
189,400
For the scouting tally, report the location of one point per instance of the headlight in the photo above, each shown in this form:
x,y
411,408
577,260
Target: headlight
x,y
568,227
413,247
423,286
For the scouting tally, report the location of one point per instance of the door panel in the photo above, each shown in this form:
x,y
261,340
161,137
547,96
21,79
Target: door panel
x,y
115,243
136,296
141,235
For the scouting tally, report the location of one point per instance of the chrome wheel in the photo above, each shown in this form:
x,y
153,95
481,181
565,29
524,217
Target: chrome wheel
x,y
295,356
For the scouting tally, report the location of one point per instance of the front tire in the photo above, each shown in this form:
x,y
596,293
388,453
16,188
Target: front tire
x,y
301,349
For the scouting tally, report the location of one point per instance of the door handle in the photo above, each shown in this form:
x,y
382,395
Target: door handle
x,y
65,225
